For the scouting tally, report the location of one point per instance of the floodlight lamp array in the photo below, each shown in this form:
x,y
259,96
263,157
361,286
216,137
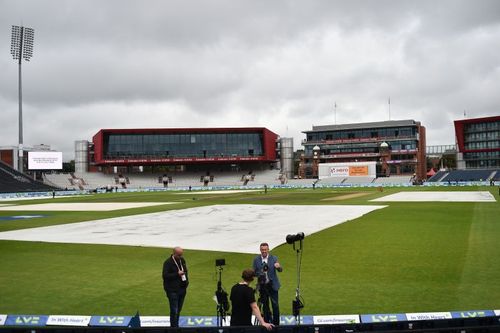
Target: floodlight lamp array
x,y
29,35
22,42
15,42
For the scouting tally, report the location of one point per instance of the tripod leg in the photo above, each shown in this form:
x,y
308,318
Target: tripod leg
x,y
265,295
259,305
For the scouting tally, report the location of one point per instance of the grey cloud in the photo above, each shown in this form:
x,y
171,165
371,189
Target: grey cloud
x,y
280,64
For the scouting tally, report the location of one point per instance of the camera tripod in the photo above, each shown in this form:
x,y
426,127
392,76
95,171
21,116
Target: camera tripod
x,y
263,301
222,302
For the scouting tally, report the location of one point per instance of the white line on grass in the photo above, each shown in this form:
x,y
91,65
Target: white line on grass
x,y
220,192
84,206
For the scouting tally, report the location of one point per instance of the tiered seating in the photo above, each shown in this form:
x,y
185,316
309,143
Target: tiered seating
x,y
438,176
393,180
146,180
358,180
155,180
61,180
332,180
256,178
268,177
12,181
301,182
93,180
468,175
186,179
228,179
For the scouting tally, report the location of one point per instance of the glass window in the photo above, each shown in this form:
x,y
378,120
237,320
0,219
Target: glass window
x,y
184,145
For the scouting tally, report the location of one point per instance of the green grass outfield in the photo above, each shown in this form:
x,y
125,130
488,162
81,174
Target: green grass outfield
x,y
408,257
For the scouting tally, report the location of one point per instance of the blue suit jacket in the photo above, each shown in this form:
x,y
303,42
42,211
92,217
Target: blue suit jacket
x,y
271,273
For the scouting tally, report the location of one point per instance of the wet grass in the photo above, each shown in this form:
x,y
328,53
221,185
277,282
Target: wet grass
x,y
408,257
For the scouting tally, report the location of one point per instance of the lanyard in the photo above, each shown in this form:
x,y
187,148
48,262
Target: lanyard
x,y
176,264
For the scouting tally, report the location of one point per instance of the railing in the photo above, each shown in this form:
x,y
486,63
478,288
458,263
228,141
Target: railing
x,y
356,140
441,149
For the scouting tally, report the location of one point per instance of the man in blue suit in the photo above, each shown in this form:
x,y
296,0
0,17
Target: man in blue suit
x,y
265,266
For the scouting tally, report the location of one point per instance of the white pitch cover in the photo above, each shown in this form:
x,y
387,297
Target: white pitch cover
x,y
68,320
336,319
2,319
155,321
428,316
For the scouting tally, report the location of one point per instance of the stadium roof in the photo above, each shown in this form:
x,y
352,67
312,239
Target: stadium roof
x,y
183,130
477,120
378,124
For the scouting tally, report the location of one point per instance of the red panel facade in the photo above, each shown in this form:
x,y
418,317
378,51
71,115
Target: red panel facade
x,y
268,141
7,156
460,131
98,141
421,154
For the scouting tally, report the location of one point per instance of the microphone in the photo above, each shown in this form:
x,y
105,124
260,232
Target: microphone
x,y
265,267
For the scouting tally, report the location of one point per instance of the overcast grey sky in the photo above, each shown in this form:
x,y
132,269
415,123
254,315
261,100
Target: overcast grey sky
x,y
272,63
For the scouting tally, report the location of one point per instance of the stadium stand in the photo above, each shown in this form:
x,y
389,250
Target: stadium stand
x,y
300,182
93,180
60,180
393,180
332,180
230,178
12,181
253,178
358,180
90,181
469,175
438,176
149,180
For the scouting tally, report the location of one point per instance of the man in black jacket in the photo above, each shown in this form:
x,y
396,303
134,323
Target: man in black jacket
x,y
175,283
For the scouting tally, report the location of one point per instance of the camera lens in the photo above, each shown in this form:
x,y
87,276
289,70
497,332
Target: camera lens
x,y
290,239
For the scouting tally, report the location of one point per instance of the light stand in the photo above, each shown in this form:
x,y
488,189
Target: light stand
x,y
297,303
222,302
21,47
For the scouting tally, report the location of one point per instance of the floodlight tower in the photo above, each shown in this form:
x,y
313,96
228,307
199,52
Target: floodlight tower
x,y
21,47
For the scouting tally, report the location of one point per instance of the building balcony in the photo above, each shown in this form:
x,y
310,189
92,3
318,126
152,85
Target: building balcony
x,y
358,140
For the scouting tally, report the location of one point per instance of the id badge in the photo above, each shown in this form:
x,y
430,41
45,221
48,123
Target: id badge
x,y
183,277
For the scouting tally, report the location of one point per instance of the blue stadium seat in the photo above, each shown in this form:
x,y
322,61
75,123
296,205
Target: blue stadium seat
x,y
468,175
437,176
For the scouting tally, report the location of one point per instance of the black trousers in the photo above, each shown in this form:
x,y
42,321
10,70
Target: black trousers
x,y
268,294
176,300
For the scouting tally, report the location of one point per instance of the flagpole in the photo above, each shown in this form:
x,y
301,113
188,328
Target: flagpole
x,y
335,108
389,108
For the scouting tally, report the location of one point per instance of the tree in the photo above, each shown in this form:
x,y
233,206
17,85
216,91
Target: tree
x,y
69,166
